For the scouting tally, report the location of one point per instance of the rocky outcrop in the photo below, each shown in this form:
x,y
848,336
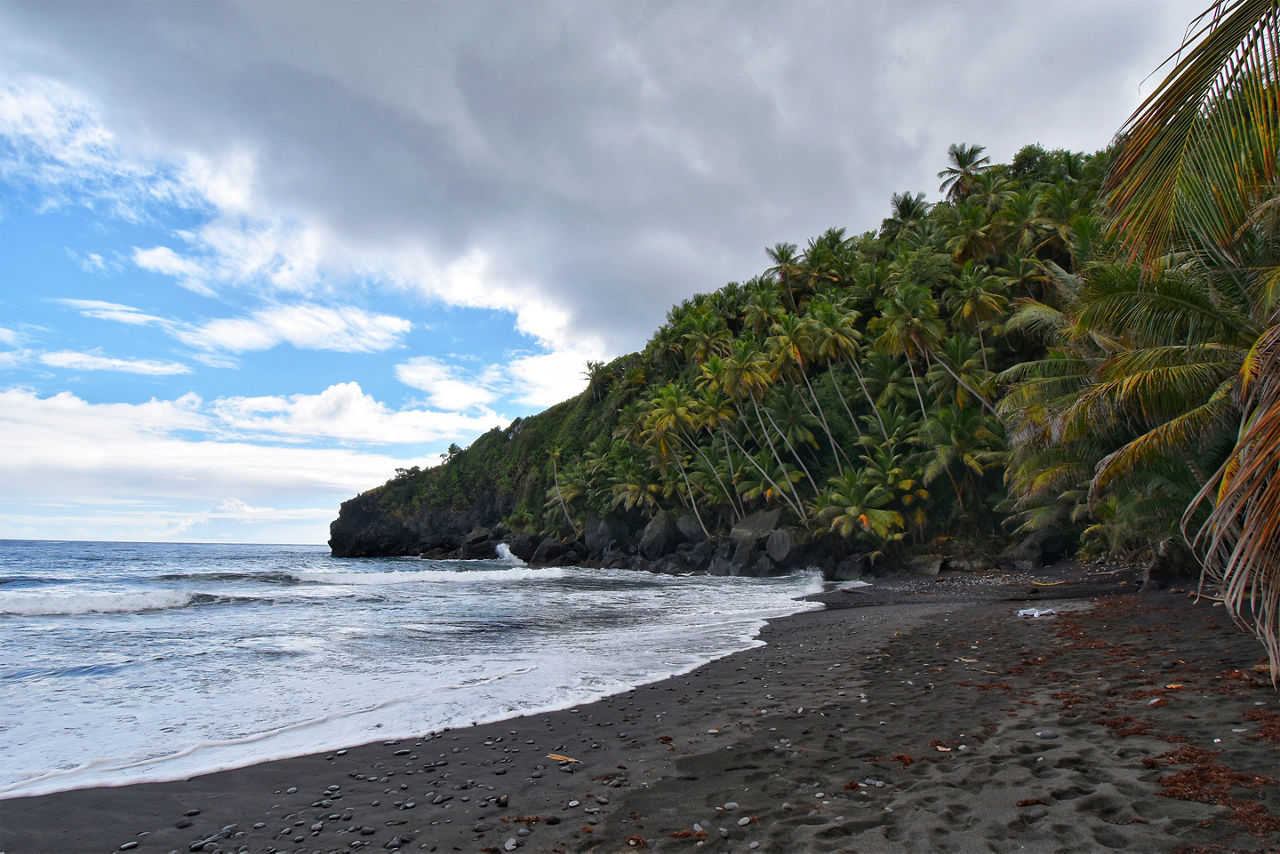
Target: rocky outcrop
x,y
380,522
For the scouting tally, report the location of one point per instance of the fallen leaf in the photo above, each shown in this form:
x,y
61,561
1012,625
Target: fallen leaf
x,y
557,757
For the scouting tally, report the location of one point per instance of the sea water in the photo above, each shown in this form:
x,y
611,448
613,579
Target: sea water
x,y
125,662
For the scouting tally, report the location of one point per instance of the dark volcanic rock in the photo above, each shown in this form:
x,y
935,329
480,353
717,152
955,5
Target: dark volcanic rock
x,y
688,530
1039,548
605,534
1170,562
523,545
757,526
658,537
552,552
851,568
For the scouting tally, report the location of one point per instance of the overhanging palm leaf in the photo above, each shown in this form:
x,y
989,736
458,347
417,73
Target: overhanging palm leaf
x,y
1226,64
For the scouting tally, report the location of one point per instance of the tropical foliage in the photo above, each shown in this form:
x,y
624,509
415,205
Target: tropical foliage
x,y
1084,342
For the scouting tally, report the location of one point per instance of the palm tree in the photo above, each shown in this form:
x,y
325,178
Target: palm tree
x,y
909,211
792,346
1196,169
964,445
967,162
855,507
786,269
976,299
908,326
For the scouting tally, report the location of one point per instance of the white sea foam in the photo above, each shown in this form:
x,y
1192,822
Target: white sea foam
x,y
357,652
68,603
433,576
505,555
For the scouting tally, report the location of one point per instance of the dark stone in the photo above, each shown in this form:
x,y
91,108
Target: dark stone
x,y
699,555
1039,548
744,554
851,568
783,545
755,527
926,565
762,567
549,552
721,562
523,545
480,544
658,537
1171,561
688,530
603,535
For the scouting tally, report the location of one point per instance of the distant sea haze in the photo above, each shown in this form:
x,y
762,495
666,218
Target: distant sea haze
x,y
125,662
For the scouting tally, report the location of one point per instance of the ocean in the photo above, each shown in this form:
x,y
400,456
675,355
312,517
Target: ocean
x,y
131,662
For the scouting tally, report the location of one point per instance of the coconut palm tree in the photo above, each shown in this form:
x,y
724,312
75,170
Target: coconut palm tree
x,y
975,300
967,162
1196,170
908,326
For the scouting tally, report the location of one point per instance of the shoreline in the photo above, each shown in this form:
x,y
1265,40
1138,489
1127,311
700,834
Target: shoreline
x,y
927,717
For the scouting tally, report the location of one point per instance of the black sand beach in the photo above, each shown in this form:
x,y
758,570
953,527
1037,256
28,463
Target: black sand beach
x,y
922,715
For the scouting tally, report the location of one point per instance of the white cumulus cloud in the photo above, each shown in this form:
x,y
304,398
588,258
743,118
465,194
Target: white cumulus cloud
x,y
346,329
445,387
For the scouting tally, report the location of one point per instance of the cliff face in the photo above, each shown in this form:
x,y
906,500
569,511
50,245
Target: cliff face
x,y
373,525
493,490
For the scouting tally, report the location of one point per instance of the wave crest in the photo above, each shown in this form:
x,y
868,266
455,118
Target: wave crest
x,y
53,604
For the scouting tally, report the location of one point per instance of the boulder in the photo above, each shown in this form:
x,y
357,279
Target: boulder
x,y
698,555
603,535
1039,548
755,527
551,552
926,565
480,544
721,562
1171,561
659,536
523,546
851,568
783,545
761,567
688,530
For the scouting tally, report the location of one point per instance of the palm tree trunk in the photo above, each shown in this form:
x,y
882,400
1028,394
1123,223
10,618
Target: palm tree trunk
x,y
836,450
915,383
862,383
693,503
555,477
781,494
711,467
968,387
777,456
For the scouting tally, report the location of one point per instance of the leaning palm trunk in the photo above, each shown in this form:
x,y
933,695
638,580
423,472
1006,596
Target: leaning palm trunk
x,y
1239,542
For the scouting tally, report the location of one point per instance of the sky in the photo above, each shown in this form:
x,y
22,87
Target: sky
x,y
256,256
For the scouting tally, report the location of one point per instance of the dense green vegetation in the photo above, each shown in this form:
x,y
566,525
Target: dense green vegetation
x,y
853,382
1085,343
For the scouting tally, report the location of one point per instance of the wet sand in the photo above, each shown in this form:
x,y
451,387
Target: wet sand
x,y
920,715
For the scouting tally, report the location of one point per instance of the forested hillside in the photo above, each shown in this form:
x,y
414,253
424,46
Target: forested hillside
x,y
860,385
1083,345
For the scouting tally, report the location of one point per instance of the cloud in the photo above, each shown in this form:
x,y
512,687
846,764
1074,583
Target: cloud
x,y
445,389
345,329
113,311
581,166
345,412
8,337
549,378
57,144
163,260
122,471
93,362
